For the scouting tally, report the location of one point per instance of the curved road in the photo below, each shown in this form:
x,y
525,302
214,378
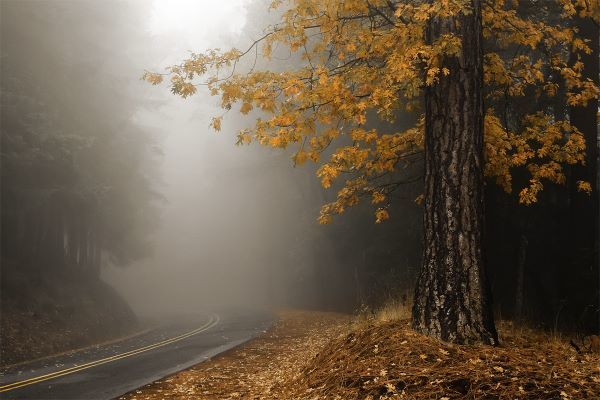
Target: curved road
x,y
108,371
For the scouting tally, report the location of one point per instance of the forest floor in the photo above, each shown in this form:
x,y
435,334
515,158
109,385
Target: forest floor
x,y
314,355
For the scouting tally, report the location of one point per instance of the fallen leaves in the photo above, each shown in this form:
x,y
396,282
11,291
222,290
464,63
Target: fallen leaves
x,y
304,357
528,365
259,369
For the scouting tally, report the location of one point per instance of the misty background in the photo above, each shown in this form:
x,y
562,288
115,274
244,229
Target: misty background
x,y
238,223
178,218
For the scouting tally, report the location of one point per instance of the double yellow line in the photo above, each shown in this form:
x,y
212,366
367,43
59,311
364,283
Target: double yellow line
x,y
213,320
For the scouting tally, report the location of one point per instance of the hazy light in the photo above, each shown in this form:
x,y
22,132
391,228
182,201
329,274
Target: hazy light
x,y
197,16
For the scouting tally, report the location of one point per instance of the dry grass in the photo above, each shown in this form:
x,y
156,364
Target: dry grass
x,y
394,310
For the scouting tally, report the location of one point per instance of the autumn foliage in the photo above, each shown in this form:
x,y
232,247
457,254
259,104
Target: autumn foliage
x,y
365,63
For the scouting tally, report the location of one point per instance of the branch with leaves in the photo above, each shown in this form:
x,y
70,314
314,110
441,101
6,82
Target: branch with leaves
x,y
366,62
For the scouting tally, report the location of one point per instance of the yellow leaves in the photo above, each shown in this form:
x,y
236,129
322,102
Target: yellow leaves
x,y
325,218
580,90
327,173
152,78
300,157
508,28
586,9
583,186
569,8
282,120
362,106
244,138
551,89
246,108
182,87
216,123
494,70
543,146
361,72
377,197
361,119
422,13
391,389
278,141
446,45
358,135
498,145
432,76
381,215
529,194
323,78
292,87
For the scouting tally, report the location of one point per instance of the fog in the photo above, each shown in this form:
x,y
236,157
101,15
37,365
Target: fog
x,y
178,218
230,215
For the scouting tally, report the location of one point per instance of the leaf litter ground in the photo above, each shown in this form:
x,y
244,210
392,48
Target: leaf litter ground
x,y
314,355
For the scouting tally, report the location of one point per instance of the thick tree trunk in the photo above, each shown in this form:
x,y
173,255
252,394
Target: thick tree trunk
x,y
452,300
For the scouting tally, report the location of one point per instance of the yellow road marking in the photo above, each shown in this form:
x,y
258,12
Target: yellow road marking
x,y
214,320
79,349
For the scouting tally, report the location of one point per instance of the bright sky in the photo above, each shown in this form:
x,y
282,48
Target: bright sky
x,y
197,17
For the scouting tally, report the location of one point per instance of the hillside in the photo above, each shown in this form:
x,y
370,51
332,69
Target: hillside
x,y
49,313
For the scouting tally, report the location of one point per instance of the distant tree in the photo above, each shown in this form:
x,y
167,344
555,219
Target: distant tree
x,y
73,193
582,232
369,61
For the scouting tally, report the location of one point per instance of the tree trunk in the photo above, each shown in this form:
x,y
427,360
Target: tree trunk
x,y
357,286
452,299
522,256
583,264
97,264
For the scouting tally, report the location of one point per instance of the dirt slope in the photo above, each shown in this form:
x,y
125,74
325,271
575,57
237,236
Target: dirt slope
x,y
47,314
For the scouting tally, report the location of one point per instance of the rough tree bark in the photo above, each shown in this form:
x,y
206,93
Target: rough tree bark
x,y
452,298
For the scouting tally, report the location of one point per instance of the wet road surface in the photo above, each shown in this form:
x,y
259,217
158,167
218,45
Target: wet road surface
x,y
108,371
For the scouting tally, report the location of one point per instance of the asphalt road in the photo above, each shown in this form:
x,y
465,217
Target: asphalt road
x,y
106,372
